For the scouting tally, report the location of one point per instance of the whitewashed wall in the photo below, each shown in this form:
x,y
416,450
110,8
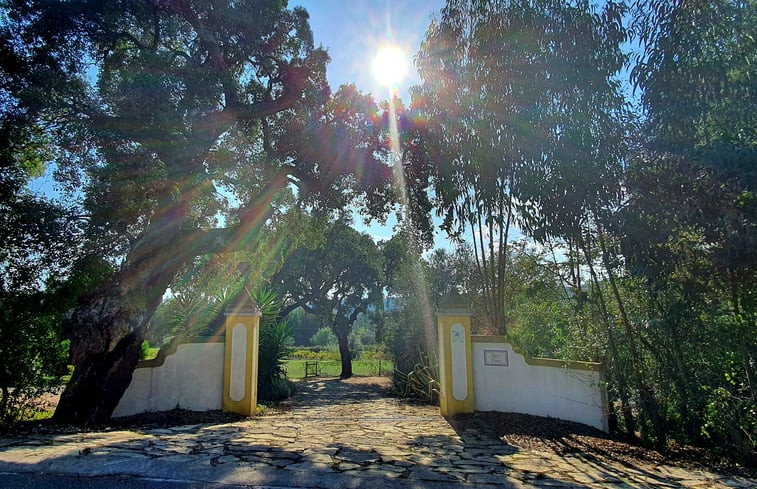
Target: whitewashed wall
x,y
541,387
190,378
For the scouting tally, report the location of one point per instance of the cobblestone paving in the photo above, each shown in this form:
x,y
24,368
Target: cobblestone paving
x,y
333,431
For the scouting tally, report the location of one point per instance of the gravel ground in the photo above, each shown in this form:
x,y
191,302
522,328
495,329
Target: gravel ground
x,y
563,437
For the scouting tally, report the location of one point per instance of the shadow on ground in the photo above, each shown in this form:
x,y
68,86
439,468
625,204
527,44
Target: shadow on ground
x,y
337,434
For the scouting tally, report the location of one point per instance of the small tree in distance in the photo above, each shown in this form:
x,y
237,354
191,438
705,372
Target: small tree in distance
x,y
338,278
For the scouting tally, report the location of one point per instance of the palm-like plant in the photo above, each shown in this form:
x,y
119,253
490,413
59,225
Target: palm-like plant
x,y
275,342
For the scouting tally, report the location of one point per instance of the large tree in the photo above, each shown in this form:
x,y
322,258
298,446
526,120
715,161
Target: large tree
x,y
696,173
521,110
337,278
689,230
165,116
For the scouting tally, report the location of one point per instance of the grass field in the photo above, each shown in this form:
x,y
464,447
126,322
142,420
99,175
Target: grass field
x,y
327,368
331,368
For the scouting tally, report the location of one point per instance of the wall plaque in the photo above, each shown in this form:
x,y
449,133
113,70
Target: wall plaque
x,y
496,358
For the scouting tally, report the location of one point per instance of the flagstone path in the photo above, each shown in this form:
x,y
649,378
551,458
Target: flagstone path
x,y
336,434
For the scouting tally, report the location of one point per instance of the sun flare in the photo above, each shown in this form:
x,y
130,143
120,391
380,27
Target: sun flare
x,y
390,65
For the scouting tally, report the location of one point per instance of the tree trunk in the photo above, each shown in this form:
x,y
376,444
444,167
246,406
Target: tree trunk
x,y
618,369
98,383
106,331
649,403
344,354
107,327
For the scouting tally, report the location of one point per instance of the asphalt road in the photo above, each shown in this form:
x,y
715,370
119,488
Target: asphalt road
x,y
47,481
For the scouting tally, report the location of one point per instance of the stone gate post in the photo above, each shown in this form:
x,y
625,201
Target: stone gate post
x,y
240,372
455,359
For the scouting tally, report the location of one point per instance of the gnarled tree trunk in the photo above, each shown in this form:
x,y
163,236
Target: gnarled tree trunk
x,y
107,327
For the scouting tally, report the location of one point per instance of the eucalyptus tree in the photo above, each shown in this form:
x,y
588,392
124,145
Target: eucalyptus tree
x,y
521,110
337,277
690,226
166,116
697,171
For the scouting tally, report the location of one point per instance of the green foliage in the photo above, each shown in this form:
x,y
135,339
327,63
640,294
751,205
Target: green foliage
x,y
324,338
32,357
360,338
303,354
689,232
180,131
337,278
144,350
377,352
522,125
304,325
274,347
40,239
332,367
731,422
409,328
539,313
32,354
205,286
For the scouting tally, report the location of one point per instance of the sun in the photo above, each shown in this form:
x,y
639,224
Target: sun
x,y
390,65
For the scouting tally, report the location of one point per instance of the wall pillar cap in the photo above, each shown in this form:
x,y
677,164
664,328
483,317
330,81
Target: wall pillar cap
x,y
447,311
242,305
454,304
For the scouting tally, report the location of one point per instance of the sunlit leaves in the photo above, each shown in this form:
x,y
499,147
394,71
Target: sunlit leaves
x,y
523,121
697,173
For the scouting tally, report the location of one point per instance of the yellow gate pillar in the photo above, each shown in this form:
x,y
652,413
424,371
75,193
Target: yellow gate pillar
x,y
240,372
455,360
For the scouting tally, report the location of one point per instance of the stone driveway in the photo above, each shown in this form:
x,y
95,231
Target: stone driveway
x,y
337,434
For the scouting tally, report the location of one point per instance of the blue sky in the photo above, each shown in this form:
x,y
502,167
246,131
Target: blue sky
x,y
352,32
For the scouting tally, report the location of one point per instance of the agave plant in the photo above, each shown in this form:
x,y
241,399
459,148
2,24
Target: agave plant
x,y
275,342
422,382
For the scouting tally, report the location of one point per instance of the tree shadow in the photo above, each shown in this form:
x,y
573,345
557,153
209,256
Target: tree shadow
x,y
329,391
357,446
582,450
237,454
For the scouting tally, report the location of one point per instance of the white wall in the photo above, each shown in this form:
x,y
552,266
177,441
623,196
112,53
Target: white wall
x,y
543,390
191,378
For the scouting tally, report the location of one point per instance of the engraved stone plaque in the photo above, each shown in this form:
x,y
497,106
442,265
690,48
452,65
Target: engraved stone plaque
x,y
496,358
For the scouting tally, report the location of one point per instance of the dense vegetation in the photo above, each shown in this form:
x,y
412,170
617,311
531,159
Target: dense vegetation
x,y
593,166
644,217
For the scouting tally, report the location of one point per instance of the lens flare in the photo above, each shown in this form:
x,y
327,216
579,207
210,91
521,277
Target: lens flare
x,y
390,66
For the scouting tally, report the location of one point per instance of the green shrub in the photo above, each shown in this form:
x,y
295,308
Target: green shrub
x,y
303,354
422,382
731,421
376,352
32,357
144,350
331,368
274,348
313,354
324,337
